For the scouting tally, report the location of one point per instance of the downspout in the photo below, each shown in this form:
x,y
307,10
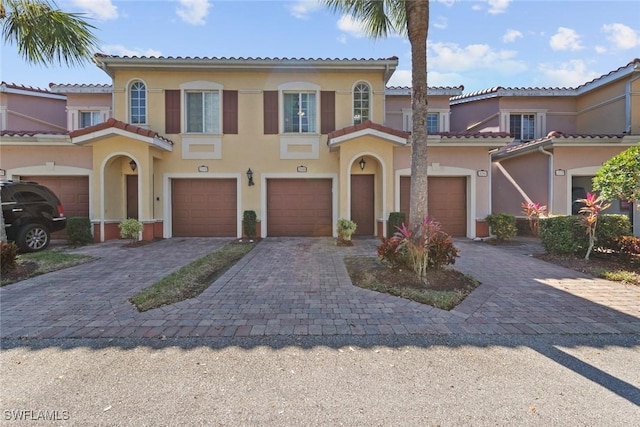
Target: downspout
x,y
550,202
628,104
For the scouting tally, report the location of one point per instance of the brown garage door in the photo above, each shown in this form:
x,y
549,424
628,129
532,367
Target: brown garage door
x,y
204,207
73,192
299,207
447,202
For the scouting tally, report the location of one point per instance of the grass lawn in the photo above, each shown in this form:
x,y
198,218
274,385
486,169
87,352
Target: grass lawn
x,y
192,279
36,263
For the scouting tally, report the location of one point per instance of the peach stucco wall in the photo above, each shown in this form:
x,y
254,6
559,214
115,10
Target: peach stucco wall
x,y
475,116
18,156
603,110
531,175
34,113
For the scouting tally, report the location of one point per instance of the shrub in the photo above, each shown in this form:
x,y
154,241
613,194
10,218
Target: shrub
x,y
8,256
390,252
346,228
249,221
441,250
534,211
610,228
130,229
593,206
628,245
79,231
503,225
396,219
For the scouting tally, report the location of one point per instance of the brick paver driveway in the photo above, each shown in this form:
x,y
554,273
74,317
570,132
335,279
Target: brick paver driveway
x,y
300,286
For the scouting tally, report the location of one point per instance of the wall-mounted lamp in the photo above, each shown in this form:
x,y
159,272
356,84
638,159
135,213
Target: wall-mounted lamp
x,y
203,168
362,163
250,177
560,172
301,168
133,165
482,173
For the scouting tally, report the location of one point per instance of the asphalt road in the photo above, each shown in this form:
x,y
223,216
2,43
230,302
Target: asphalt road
x,y
547,380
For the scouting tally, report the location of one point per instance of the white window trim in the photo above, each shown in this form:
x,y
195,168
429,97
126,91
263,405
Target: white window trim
x,y
73,115
298,87
353,104
146,110
540,125
199,86
444,115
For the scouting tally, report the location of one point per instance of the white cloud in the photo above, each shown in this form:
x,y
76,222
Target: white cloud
x,y
449,57
440,23
511,35
569,74
447,3
350,26
565,39
498,6
600,49
119,50
401,78
301,9
102,10
342,39
193,12
621,36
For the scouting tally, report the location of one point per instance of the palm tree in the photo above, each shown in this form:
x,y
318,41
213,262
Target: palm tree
x,y
45,35
409,18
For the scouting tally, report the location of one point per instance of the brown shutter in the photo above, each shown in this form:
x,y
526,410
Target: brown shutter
x,y
270,101
230,112
327,112
172,111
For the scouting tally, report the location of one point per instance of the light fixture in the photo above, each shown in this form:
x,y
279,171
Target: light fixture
x,y
482,173
559,172
133,165
203,168
362,163
250,177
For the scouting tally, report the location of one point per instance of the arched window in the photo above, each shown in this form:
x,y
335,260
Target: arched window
x,y
361,103
138,103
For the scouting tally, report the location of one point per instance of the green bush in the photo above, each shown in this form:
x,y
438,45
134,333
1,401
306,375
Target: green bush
x,y
503,225
8,256
79,231
346,228
130,229
566,234
395,220
249,222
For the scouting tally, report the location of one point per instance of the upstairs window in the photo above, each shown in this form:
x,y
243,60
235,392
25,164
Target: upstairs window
x,y
300,112
88,118
432,123
361,103
203,112
138,103
522,126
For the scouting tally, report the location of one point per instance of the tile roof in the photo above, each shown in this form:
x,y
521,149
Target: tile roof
x,y
113,123
635,63
81,88
6,85
437,90
517,146
248,59
368,124
29,133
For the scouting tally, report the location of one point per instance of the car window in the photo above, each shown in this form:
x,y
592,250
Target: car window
x,y
6,196
29,197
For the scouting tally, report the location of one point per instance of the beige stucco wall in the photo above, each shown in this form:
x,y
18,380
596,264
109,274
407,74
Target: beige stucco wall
x,y
603,110
530,173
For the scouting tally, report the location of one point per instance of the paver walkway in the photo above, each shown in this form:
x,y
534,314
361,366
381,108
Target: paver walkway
x,y
300,286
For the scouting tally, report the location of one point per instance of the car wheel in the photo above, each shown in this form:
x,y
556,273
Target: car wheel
x,y
33,238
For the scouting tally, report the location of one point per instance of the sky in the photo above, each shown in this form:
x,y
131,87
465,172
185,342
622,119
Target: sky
x,y
475,44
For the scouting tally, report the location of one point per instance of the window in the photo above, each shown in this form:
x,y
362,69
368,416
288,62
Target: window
x,y
361,103
203,112
138,103
522,126
88,118
432,123
300,112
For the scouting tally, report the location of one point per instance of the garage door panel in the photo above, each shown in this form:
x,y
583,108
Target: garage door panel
x,y
204,207
299,207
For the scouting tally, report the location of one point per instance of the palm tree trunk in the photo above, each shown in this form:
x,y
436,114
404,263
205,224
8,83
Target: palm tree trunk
x,y
418,28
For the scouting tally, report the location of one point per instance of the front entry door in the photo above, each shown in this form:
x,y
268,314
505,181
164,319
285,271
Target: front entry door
x,y
362,204
132,196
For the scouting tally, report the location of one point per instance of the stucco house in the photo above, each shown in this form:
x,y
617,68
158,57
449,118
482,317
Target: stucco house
x,y
186,145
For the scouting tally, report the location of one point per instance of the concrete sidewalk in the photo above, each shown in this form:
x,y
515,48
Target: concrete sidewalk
x,y
300,286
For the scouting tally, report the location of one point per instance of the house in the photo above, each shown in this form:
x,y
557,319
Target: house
x,y
186,145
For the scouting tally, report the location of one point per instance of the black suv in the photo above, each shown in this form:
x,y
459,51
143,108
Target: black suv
x,y
31,213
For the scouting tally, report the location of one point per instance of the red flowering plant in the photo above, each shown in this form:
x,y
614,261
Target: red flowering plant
x,y
534,211
593,207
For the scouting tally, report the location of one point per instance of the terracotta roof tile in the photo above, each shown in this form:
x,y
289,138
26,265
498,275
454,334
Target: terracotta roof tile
x,y
31,132
549,139
23,87
113,123
205,58
368,124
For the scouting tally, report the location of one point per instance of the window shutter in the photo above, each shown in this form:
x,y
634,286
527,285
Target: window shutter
x,y
327,111
270,101
230,112
172,111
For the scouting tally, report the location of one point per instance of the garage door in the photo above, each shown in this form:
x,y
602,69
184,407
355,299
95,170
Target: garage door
x,y
299,207
447,202
73,192
204,207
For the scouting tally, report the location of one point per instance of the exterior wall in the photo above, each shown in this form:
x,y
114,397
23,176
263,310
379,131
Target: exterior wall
x,y
604,102
476,116
634,110
560,112
516,178
33,112
395,104
77,102
46,157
